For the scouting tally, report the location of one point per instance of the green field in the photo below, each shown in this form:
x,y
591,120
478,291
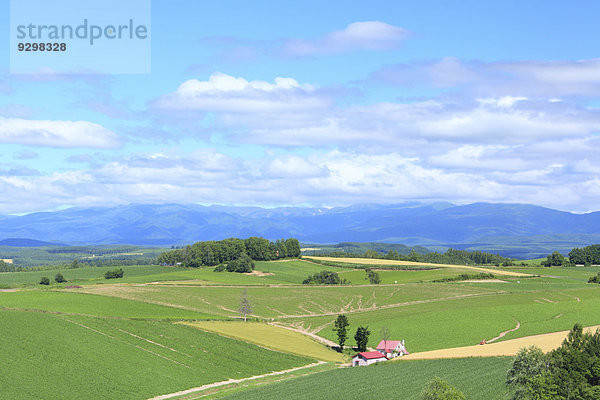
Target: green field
x,y
107,323
89,304
477,378
50,356
285,301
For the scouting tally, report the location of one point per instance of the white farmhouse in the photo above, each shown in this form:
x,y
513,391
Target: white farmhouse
x,y
392,348
367,357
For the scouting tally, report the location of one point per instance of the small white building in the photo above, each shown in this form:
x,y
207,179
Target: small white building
x,y
367,357
392,348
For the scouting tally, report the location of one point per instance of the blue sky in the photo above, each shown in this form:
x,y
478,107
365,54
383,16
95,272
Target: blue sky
x,y
319,103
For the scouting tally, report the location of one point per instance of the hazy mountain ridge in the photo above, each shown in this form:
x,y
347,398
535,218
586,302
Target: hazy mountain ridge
x,y
410,223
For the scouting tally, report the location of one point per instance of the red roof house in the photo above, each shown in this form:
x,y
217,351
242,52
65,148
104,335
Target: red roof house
x,y
368,357
392,348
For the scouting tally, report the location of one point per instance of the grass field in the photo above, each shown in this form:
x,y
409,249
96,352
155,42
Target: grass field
x,y
477,378
49,356
271,337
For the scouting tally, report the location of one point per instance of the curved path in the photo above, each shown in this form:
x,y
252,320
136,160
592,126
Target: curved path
x,y
500,336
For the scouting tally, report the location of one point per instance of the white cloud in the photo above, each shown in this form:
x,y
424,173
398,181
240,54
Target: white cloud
x,y
65,134
222,92
367,35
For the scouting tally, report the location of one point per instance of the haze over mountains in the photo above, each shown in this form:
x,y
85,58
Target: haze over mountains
x,y
511,229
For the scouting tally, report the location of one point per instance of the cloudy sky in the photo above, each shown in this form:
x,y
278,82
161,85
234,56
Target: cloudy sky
x,y
321,103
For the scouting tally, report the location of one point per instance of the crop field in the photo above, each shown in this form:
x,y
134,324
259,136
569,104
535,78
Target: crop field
x,y
477,378
89,304
286,301
271,337
466,321
74,357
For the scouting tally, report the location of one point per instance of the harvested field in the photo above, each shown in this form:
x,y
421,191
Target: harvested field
x,y
7,260
378,261
547,342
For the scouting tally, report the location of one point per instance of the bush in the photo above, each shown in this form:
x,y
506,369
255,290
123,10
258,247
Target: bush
x,y
44,281
59,278
219,268
115,273
324,278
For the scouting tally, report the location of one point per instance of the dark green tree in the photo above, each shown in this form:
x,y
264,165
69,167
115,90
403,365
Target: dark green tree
x,y
44,281
59,278
293,247
362,337
242,264
341,328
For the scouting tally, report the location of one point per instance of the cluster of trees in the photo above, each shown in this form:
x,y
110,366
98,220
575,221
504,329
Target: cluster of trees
x,y
586,256
212,252
554,260
242,264
595,279
325,278
58,278
570,372
451,256
361,337
6,267
467,277
113,274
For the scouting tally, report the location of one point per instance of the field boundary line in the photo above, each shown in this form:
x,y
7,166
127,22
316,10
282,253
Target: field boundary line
x,y
502,334
231,381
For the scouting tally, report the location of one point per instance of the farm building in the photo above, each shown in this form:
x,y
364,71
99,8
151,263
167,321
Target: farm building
x,y
367,357
392,348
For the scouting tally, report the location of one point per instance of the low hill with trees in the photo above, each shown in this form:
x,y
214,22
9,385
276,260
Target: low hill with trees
x,y
210,253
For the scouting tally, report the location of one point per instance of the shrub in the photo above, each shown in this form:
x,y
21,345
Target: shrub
x,y
59,278
439,389
115,273
44,281
219,268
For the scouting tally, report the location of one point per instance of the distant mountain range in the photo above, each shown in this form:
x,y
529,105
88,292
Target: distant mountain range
x,y
510,229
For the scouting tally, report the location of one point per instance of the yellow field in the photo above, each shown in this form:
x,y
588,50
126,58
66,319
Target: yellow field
x,y
7,260
547,342
271,337
379,261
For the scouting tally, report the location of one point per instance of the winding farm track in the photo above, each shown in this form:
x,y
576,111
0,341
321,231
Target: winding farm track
x,y
231,381
501,335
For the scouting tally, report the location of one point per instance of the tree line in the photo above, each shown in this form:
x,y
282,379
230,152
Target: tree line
x,y
587,255
210,253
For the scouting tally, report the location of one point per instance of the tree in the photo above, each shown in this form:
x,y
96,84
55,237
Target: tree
x,y
59,278
324,278
293,247
373,277
385,336
341,324
528,363
439,389
75,264
555,259
44,281
245,305
362,337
